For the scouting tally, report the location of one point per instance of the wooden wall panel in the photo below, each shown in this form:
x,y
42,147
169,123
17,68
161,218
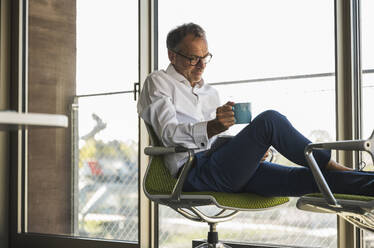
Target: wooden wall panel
x,y
4,105
51,82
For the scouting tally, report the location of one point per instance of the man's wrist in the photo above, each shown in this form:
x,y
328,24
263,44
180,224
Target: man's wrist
x,y
213,128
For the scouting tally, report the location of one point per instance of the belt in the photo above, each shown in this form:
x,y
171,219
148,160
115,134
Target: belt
x,y
181,168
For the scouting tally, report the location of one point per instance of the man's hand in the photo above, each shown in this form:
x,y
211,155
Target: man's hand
x,y
224,119
266,155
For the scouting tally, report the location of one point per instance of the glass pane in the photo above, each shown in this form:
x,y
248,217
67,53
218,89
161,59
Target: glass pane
x,y
281,64
107,42
104,199
367,53
83,180
106,192
256,39
301,100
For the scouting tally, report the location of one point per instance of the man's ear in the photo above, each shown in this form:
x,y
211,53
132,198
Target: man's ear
x,y
171,56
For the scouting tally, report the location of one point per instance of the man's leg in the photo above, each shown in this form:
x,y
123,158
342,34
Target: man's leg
x,y
276,180
231,167
237,162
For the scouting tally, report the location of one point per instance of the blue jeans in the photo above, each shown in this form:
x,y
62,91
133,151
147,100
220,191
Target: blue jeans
x,y
237,166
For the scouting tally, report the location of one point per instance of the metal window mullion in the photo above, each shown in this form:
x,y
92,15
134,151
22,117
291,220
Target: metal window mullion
x,y
106,93
348,95
24,54
357,87
74,117
146,210
356,67
154,50
18,102
20,28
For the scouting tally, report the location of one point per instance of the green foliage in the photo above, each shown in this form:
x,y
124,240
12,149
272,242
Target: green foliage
x,y
95,150
87,152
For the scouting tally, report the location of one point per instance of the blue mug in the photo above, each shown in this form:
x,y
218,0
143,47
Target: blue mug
x,y
242,112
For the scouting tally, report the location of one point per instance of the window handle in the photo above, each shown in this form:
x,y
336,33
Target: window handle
x,y
136,90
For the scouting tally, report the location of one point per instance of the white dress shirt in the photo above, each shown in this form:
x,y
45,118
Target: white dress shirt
x,y
178,112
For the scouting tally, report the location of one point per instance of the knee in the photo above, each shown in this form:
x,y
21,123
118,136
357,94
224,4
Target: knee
x,y
270,115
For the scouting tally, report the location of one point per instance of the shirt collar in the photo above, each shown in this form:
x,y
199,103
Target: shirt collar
x,y
176,75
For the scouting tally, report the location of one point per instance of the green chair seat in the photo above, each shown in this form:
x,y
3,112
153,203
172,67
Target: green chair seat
x,y
160,182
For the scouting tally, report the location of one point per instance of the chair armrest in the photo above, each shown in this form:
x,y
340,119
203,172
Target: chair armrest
x,y
318,177
357,145
220,141
161,150
177,190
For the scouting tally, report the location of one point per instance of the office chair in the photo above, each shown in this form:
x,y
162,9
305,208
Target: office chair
x,y
159,186
356,209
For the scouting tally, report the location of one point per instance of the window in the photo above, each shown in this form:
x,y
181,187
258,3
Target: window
x,y
367,55
277,55
107,68
83,62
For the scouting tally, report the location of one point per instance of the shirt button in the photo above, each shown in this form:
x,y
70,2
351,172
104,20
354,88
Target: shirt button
x,y
202,144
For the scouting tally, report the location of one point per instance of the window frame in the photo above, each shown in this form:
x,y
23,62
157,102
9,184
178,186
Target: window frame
x,y
348,97
18,235
347,44
347,85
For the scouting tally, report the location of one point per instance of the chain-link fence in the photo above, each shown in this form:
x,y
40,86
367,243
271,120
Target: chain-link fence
x,y
285,225
108,200
106,185
106,194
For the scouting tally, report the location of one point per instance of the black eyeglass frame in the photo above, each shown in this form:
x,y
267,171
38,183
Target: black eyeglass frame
x,y
195,57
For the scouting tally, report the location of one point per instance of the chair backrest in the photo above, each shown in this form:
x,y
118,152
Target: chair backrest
x,y
157,180
153,136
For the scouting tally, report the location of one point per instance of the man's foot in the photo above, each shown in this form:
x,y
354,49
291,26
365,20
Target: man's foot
x,y
332,165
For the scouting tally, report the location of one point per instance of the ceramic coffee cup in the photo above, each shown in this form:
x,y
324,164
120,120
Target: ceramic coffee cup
x,y
242,112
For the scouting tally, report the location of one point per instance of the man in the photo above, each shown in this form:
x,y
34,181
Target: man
x,y
185,111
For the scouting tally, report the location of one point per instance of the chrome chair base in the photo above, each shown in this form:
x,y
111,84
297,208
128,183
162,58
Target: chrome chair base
x,y
212,241
218,245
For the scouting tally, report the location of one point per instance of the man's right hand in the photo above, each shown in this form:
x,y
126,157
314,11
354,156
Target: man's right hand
x,y
224,119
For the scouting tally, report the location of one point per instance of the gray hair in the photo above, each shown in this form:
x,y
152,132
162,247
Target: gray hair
x,y
176,35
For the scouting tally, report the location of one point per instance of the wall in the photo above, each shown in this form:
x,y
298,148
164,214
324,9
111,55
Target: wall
x,y
51,85
4,104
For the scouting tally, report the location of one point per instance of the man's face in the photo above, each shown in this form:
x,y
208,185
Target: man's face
x,y
190,46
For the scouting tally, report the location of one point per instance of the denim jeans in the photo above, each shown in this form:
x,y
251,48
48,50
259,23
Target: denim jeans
x,y
237,165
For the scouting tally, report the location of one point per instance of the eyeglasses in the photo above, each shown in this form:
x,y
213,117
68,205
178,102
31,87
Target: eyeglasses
x,y
194,60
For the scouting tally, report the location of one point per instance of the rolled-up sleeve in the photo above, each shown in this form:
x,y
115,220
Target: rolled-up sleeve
x,y
199,133
156,108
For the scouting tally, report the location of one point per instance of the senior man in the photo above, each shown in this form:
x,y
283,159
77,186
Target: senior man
x,y
185,111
